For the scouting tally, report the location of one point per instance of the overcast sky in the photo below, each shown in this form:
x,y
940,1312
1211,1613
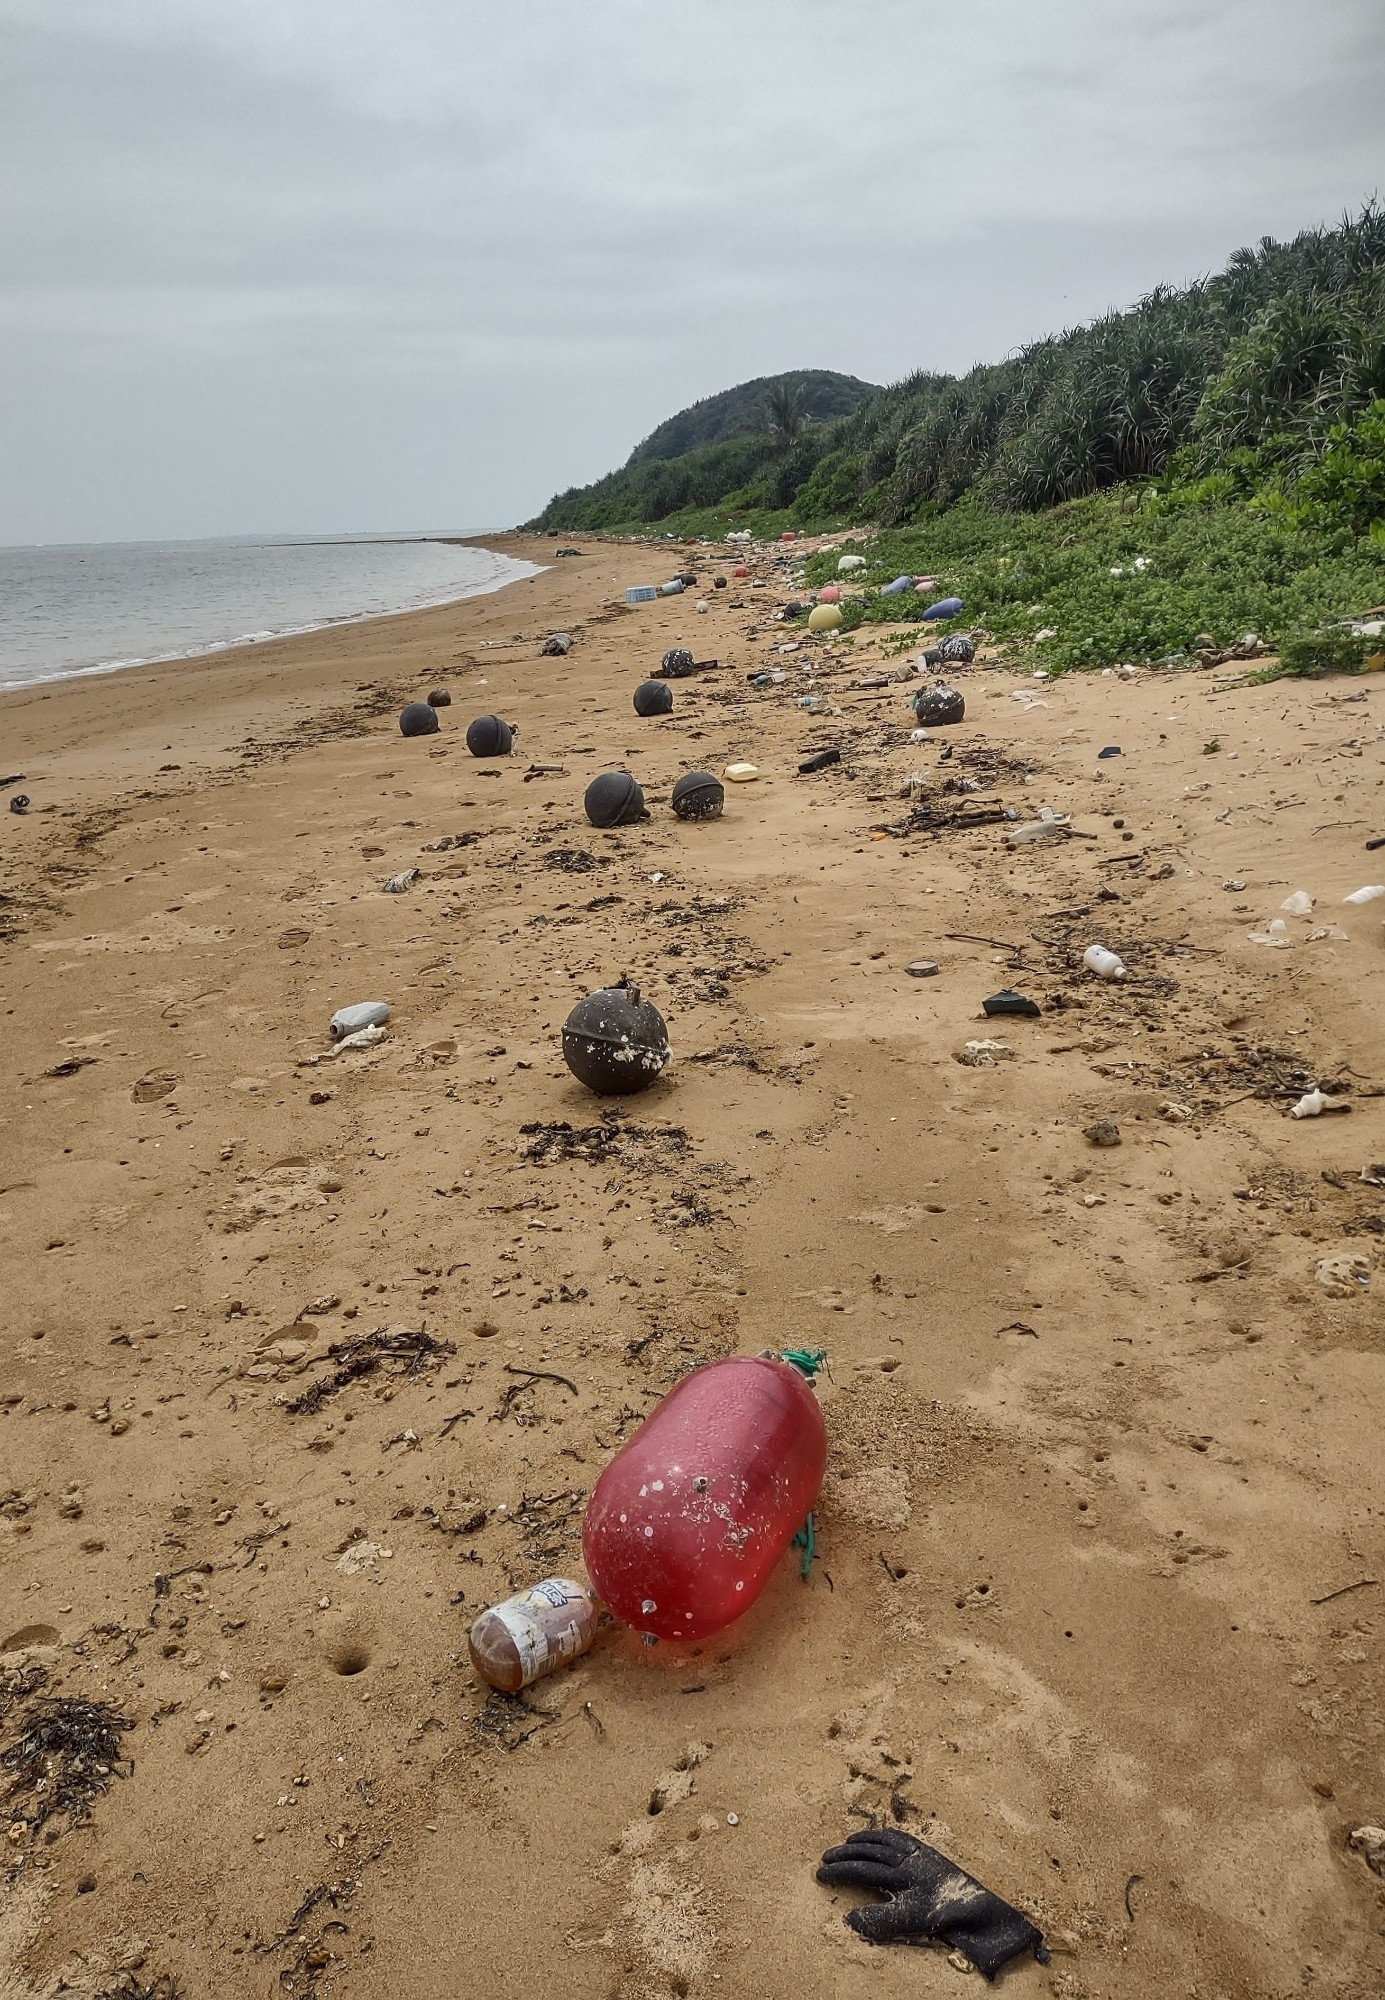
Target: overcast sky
x,y
321,265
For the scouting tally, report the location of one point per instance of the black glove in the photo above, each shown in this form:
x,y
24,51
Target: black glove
x,y
928,1896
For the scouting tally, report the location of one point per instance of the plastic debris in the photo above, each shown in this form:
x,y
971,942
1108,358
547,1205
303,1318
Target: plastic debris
x,y
1276,936
938,706
984,1054
418,719
690,1518
824,618
405,879
1371,892
615,1041
923,968
362,1014
946,607
820,762
1300,904
1343,1277
741,774
698,795
1007,1001
1314,1102
1111,750
489,736
556,646
640,593
516,1643
957,650
613,799
1105,964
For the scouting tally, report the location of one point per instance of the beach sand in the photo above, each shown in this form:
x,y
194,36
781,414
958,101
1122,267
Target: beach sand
x,y
1098,1604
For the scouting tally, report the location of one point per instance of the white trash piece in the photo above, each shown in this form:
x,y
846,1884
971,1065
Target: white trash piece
x,y
398,884
1050,827
364,1014
1277,934
364,1038
846,563
1300,904
1105,964
1311,1105
1366,895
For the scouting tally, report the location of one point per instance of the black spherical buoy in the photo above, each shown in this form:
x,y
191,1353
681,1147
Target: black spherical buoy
x,y
488,736
677,664
615,1042
419,720
613,799
698,795
958,648
938,705
439,698
653,698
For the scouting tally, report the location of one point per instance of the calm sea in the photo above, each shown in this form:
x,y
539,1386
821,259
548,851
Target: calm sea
x,y
88,608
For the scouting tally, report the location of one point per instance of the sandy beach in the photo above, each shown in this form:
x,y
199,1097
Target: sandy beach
x,y
1101,1553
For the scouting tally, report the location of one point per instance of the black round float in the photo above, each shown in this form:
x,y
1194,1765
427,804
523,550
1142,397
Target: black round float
x,y
488,736
615,1041
613,799
938,705
439,698
698,795
653,698
418,719
958,648
676,664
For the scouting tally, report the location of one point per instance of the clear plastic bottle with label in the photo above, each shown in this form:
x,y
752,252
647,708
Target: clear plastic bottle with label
x,y
533,1633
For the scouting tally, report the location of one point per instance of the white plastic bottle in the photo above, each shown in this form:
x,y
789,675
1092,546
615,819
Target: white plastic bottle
x,y
1105,964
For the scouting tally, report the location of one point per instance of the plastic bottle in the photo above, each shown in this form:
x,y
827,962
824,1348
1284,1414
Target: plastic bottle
x,y
1105,964
531,1634
690,1517
1036,829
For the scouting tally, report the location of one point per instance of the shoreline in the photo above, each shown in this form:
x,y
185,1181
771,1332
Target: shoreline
x,y
247,640
1094,1420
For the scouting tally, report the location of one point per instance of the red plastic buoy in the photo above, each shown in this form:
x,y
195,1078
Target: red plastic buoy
x,y
690,1517
740,570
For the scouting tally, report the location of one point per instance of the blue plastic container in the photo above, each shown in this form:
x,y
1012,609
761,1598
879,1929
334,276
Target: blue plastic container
x,y
946,607
641,593
898,587
673,588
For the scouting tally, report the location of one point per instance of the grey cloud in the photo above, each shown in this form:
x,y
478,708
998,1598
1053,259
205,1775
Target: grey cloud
x,y
303,264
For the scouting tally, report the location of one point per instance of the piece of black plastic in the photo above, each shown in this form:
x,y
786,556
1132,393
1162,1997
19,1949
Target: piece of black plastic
x,y
20,803
613,799
820,762
653,698
938,706
1371,845
489,736
439,698
927,1896
1111,750
1007,1001
418,719
698,795
615,1041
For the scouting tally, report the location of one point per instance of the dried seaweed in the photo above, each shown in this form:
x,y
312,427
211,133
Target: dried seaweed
x,y
401,1351
63,1759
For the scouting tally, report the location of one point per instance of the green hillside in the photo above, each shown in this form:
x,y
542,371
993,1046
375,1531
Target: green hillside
x,y
1258,378
750,408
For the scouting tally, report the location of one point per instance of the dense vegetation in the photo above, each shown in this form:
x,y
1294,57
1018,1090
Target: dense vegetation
x,y
814,393
1212,460
1245,376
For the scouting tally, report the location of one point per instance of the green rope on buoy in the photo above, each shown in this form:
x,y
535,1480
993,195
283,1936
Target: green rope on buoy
x,y
808,1360
806,1539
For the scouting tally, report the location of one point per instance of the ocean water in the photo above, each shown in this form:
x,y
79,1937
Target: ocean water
x,y
89,608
